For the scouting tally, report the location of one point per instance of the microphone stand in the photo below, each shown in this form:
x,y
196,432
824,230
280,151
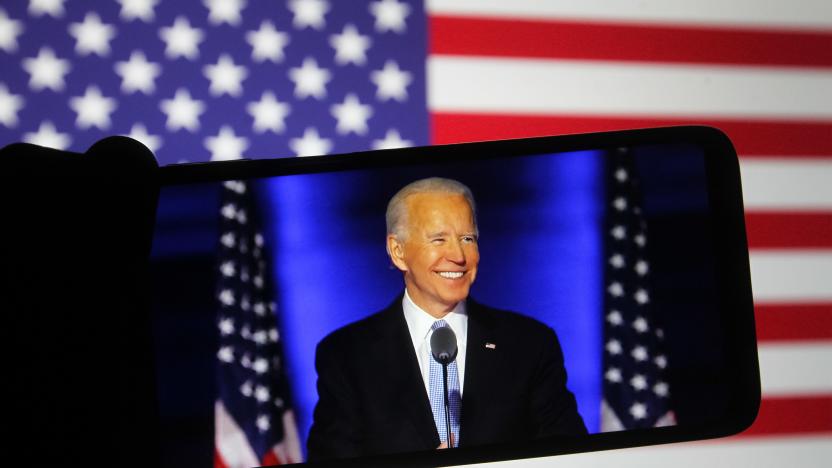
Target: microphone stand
x,y
447,405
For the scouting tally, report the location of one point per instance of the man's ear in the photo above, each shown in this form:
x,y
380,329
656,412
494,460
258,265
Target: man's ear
x,y
395,249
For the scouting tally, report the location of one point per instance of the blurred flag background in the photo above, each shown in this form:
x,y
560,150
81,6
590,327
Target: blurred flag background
x,y
220,79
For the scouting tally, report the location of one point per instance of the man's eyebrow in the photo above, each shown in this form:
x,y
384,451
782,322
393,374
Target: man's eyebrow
x,y
434,235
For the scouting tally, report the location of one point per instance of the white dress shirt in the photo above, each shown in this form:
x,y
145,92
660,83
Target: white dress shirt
x,y
419,324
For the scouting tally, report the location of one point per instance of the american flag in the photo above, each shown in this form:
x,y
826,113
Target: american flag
x,y
636,389
254,423
479,70
214,79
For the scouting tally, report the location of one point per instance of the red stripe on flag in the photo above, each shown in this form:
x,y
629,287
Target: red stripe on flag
x,y
453,35
767,230
218,461
793,322
750,137
793,415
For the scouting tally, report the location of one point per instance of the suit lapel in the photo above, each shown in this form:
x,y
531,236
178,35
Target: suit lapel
x,y
480,372
403,369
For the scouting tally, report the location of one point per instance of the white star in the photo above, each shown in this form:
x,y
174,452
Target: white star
x,y
640,239
226,145
640,325
268,113
245,332
310,80
181,39
641,296
613,347
261,365
137,74
229,211
227,297
350,46
236,186
617,261
660,361
229,241
616,289
93,109
10,104
619,232
638,411
246,362
46,70
137,9
274,335
661,389
245,388
258,239
267,43
641,267
139,132
639,353
390,15
615,318
621,174
182,111
620,203
392,140
311,144
391,82
278,402
309,13
226,78
53,8
351,115
49,137
92,36
227,268
613,375
226,354
260,337
638,382
9,30
262,394
224,11
260,309
660,333
226,326
244,303
263,423
241,218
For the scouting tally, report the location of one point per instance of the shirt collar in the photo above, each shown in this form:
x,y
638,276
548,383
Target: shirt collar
x,y
420,322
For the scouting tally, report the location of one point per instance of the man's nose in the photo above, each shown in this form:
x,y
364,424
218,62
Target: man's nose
x,y
455,253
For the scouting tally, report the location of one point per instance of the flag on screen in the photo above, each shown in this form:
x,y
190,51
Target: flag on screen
x,y
254,423
636,390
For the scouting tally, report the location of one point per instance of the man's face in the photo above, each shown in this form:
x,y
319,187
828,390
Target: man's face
x,y
439,256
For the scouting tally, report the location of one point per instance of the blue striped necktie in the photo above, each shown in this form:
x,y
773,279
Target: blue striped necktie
x,y
437,401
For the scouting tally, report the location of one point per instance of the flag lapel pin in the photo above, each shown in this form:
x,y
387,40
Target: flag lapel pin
x,y
490,346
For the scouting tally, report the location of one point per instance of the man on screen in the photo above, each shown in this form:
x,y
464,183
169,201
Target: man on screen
x,y
379,388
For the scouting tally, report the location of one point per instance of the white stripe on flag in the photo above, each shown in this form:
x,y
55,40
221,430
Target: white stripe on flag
x,y
796,369
791,184
795,13
532,86
804,452
796,276
230,441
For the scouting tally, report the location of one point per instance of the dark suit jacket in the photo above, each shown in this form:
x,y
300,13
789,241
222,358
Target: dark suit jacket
x,y
372,399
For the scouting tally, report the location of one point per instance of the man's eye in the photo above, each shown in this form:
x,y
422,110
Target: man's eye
x,y
438,241
469,239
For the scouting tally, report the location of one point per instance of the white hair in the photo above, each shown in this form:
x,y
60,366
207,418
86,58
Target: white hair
x,y
396,215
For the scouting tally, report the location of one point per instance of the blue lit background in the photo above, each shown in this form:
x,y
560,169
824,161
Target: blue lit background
x,y
540,252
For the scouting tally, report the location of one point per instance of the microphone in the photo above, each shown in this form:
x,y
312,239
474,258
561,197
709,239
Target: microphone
x,y
443,348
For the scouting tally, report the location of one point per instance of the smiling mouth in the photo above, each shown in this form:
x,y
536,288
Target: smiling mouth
x,y
451,274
